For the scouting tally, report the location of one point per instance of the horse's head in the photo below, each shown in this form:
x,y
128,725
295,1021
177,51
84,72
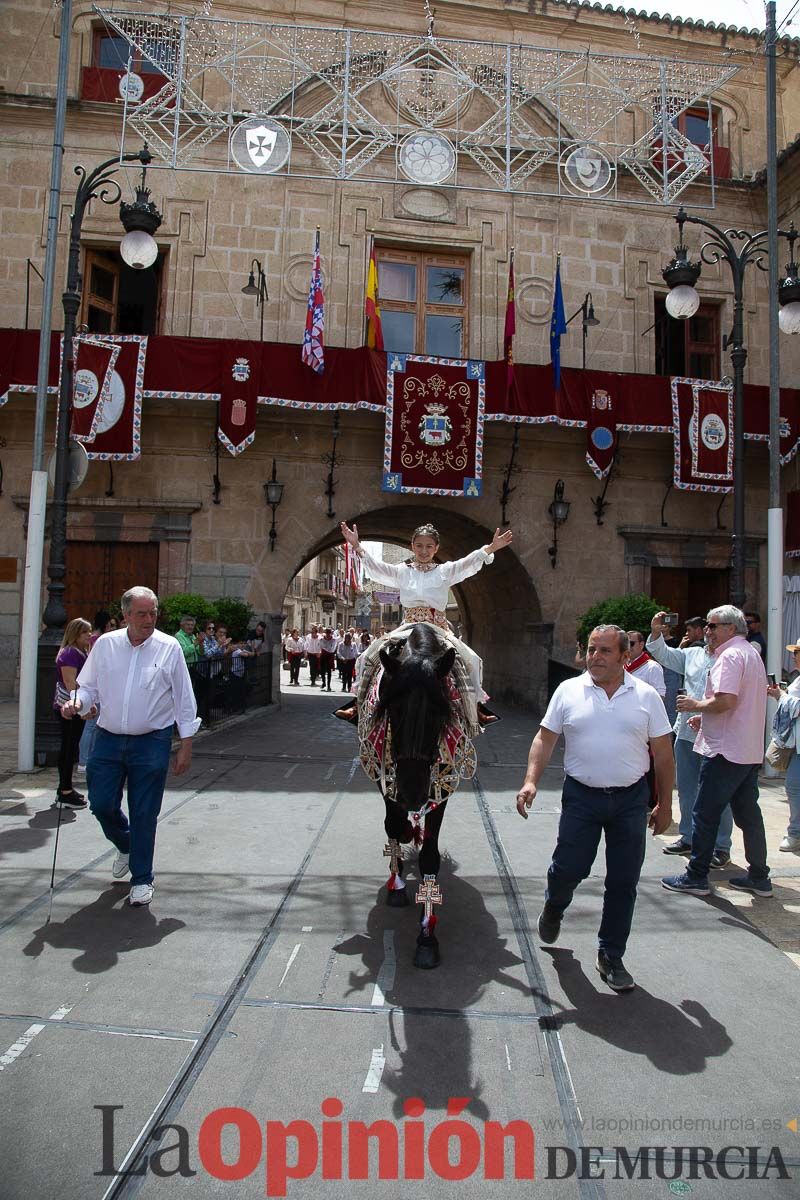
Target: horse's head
x,y
415,699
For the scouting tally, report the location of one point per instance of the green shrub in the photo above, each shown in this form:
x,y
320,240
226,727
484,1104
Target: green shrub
x,y
172,608
629,612
235,615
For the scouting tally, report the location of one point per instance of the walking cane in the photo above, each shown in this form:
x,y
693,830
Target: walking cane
x,y
53,871
74,700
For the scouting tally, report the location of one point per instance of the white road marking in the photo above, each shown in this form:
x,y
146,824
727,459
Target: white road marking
x,y
377,1063
306,929
385,980
290,770
292,957
13,1052
508,1057
330,772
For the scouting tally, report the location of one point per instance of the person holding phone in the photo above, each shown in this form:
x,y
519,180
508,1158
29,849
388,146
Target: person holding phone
x,y
692,663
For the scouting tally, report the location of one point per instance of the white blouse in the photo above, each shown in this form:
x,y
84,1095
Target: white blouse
x,y
426,589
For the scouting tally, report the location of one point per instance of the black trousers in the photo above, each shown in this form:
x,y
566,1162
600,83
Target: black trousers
x,y
71,731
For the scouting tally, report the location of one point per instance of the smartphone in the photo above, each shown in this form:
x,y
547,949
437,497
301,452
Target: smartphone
x,y
771,678
670,619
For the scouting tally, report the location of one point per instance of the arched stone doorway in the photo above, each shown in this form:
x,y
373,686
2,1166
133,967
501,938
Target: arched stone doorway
x,y
500,606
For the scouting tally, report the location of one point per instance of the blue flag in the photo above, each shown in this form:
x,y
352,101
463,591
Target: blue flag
x,y
558,325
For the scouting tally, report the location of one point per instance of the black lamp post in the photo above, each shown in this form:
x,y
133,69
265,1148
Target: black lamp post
x,y
680,275
257,286
589,320
140,220
559,511
273,493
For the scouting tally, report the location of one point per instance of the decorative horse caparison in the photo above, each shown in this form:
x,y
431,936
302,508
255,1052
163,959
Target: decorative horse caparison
x,y
416,745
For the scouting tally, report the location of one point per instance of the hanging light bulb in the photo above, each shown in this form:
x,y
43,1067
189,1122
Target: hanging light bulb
x,y
682,302
140,220
138,249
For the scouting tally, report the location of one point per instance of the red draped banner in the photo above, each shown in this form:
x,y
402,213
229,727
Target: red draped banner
x,y
240,375
118,427
703,435
435,410
92,373
601,433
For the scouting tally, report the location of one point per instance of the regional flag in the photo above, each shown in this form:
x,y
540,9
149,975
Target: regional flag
x,y
373,312
510,326
558,326
313,352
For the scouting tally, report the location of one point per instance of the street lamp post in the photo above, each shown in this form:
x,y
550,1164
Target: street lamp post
x,y
139,250
257,286
680,275
273,494
589,320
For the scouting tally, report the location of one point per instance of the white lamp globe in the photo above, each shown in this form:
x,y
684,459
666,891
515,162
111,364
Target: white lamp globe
x,y
682,302
789,317
138,249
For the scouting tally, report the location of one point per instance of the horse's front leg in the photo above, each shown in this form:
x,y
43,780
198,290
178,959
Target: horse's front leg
x,y
427,953
398,829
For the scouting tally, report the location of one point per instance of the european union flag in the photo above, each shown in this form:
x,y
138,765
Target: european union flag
x,y
558,325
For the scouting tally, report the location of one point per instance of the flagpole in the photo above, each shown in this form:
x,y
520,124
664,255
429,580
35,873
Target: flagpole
x,y
365,327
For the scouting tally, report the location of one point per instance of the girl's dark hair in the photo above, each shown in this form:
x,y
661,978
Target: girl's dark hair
x,y
101,619
426,531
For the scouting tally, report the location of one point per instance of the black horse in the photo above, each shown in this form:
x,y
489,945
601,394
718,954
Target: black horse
x,y
415,699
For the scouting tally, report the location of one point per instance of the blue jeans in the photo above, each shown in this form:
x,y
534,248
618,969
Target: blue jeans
x,y
687,771
143,762
586,813
87,740
723,782
793,795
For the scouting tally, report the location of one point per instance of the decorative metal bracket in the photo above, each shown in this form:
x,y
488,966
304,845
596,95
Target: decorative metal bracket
x,y
511,469
600,504
216,482
719,510
330,461
110,489
664,522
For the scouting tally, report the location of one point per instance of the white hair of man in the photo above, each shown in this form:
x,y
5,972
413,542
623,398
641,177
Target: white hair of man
x,y
729,614
137,593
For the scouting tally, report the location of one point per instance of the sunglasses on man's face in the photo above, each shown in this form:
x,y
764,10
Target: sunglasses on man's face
x,y
715,624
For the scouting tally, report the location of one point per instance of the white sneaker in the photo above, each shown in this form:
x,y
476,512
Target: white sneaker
x,y
140,893
790,844
119,867
80,769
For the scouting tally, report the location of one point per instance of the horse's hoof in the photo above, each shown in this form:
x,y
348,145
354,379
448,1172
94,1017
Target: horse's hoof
x,y
397,898
427,954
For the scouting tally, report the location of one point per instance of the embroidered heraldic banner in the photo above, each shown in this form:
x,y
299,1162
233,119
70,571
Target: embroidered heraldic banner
x,y
435,410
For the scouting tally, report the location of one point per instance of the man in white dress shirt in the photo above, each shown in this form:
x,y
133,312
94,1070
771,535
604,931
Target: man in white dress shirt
x,y
139,678
643,666
610,721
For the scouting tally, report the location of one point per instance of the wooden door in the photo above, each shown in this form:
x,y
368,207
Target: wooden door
x,y
690,592
99,572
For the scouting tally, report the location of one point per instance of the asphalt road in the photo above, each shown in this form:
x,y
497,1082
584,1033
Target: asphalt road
x,y
269,978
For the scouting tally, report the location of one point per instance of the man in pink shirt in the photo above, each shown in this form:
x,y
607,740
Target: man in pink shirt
x,y
730,719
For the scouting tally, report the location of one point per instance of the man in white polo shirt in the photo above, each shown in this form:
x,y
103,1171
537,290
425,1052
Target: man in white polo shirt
x,y
610,721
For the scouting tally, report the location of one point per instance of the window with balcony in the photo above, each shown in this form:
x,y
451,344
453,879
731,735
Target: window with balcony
x,y
113,58
423,299
118,299
702,128
690,347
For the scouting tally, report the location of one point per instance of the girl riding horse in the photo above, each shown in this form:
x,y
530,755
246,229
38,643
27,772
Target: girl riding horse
x,y
423,585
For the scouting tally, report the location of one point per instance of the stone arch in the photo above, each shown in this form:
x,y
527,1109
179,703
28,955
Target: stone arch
x,y
500,604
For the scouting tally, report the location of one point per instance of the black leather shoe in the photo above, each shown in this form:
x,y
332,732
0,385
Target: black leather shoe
x,y
549,924
71,799
485,715
612,971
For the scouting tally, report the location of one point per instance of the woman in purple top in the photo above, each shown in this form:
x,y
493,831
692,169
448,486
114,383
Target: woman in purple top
x,y
69,660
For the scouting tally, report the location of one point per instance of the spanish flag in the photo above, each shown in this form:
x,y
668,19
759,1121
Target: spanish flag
x,y
374,327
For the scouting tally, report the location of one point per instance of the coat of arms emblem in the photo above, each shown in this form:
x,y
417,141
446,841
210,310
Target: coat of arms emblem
x,y
435,427
601,400
260,143
241,370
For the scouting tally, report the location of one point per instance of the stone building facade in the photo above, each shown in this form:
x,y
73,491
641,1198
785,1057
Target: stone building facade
x,y
523,610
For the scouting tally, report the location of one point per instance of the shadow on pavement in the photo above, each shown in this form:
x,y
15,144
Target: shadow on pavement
x,y
435,1051
677,1041
101,938
19,841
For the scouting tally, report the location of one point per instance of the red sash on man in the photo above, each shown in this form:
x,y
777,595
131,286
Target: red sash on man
x,y
638,662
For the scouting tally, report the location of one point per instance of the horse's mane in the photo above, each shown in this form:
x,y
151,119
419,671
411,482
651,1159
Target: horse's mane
x,y
417,695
